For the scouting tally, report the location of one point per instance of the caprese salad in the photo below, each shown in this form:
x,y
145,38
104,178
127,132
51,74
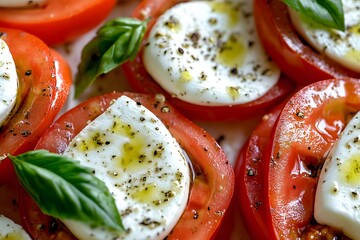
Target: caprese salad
x,y
211,65
307,51
169,178
297,177
33,90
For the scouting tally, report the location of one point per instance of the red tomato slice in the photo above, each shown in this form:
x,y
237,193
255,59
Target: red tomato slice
x,y
58,21
294,57
141,81
249,171
211,190
45,80
305,131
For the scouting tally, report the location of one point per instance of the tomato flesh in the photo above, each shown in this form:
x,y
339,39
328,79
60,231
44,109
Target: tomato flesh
x,y
59,21
44,80
141,81
211,190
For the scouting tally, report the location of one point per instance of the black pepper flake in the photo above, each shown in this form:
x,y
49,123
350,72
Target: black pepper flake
x,y
300,114
25,133
148,221
354,194
196,215
220,139
41,226
53,226
181,51
258,204
28,73
263,73
212,21
27,114
251,172
233,71
195,37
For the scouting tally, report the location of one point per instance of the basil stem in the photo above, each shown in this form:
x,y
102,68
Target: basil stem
x,y
64,189
328,13
115,42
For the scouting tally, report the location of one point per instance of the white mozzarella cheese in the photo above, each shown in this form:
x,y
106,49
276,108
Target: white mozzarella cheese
x,y
342,47
337,201
9,83
142,165
22,3
208,53
9,230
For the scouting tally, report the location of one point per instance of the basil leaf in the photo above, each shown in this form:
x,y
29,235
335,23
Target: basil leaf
x,y
115,42
65,189
328,13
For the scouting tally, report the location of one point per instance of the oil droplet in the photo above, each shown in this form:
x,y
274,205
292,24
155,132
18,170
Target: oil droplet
x,y
173,24
133,157
149,194
353,56
350,170
96,140
232,53
227,9
13,236
355,29
233,92
185,76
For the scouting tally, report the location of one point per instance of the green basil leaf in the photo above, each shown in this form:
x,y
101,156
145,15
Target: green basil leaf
x,y
65,189
115,42
328,13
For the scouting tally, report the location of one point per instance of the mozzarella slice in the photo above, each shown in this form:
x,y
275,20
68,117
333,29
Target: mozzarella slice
x,y
342,47
11,230
142,165
208,53
337,201
9,83
22,3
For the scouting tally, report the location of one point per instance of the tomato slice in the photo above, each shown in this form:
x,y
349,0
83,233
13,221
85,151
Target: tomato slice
x,y
306,129
294,57
249,171
211,190
44,80
58,21
141,81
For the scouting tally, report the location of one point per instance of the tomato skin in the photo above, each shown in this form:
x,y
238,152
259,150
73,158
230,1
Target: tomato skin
x,y
44,80
211,190
307,127
59,21
141,81
249,172
296,59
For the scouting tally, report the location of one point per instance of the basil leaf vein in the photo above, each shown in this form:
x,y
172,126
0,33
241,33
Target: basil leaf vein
x,y
115,42
64,189
328,13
